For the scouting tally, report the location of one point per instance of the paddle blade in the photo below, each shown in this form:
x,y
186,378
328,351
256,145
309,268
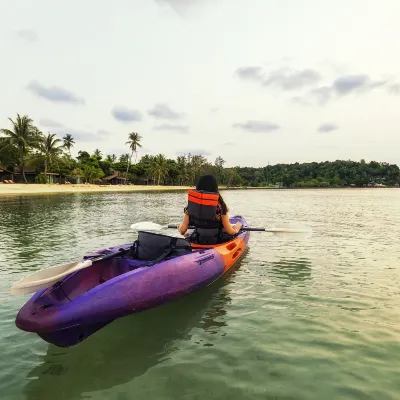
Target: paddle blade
x,y
29,289
44,278
291,231
147,226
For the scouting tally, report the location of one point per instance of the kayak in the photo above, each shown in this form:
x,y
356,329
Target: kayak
x,y
83,302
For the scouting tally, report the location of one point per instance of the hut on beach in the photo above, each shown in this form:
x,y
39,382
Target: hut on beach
x,y
16,175
76,177
6,176
114,179
32,175
146,181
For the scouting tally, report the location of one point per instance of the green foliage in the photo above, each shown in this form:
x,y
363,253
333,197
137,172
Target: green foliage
x,y
83,156
42,178
50,150
97,154
68,142
9,155
106,166
91,173
24,145
325,174
21,140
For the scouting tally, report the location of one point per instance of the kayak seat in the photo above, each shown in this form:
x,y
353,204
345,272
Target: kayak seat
x,y
155,247
210,236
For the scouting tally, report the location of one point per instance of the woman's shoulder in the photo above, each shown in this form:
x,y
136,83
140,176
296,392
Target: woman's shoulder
x,y
222,208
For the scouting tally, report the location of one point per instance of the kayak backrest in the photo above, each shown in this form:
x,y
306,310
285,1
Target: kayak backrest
x,y
156,247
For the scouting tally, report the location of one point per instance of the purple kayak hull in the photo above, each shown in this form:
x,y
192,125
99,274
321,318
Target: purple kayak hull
x,y
79,305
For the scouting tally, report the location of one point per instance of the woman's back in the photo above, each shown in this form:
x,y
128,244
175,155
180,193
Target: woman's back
x,y
207,212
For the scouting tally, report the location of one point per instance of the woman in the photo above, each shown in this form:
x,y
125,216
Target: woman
x,y
208,183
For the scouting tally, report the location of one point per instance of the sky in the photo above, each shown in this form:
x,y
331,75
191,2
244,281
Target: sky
x,y
256,81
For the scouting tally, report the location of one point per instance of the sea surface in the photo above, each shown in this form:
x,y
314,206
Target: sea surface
x,y
312,319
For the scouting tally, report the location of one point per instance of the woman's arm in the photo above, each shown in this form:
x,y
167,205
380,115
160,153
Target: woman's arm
x,y
229,228
182,228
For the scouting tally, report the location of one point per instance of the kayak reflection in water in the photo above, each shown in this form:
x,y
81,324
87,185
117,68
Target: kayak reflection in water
x,y
208,214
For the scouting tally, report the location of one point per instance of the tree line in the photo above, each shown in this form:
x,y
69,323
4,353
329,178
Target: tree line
x,y
25,146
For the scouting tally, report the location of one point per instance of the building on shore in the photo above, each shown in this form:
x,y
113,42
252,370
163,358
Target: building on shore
x,y
114,179
6,175
32,175
76,177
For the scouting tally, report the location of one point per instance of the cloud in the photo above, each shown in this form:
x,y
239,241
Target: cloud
x,y
77,134
324,128
49,123
179,6
257,126
124,114
28,35
300,101
347,84
162,111
352,83
168,127
82,135
193,152
283,78
287,79
322,94
250,73
54,94
394,88
102,132
328,146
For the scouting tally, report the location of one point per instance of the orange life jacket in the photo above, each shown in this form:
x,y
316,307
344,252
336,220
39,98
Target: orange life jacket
x,y
202,209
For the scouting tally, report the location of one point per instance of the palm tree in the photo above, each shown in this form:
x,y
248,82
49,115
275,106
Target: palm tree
x,y
124,157
182,170
111,158
23,137
91,173
97,154
159,167
50,149
134,143
68,142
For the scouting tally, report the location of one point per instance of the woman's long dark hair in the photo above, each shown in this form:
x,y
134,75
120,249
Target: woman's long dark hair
x,y
209,184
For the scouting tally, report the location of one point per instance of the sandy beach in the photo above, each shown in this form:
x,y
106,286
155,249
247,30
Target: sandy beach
x,y
37,189
31,189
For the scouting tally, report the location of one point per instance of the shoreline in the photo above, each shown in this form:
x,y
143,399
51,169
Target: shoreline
x,y
38,189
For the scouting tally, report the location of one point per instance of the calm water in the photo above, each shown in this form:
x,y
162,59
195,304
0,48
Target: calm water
x,y
317,319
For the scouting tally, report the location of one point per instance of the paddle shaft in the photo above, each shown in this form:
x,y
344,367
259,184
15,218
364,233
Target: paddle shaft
x,y
242,229
107,256
272,230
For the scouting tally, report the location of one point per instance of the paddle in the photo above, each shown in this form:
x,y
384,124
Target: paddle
x,y
45,278
283,229
273,230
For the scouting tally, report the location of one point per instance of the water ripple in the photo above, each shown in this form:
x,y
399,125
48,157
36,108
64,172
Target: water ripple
x,y
309,319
